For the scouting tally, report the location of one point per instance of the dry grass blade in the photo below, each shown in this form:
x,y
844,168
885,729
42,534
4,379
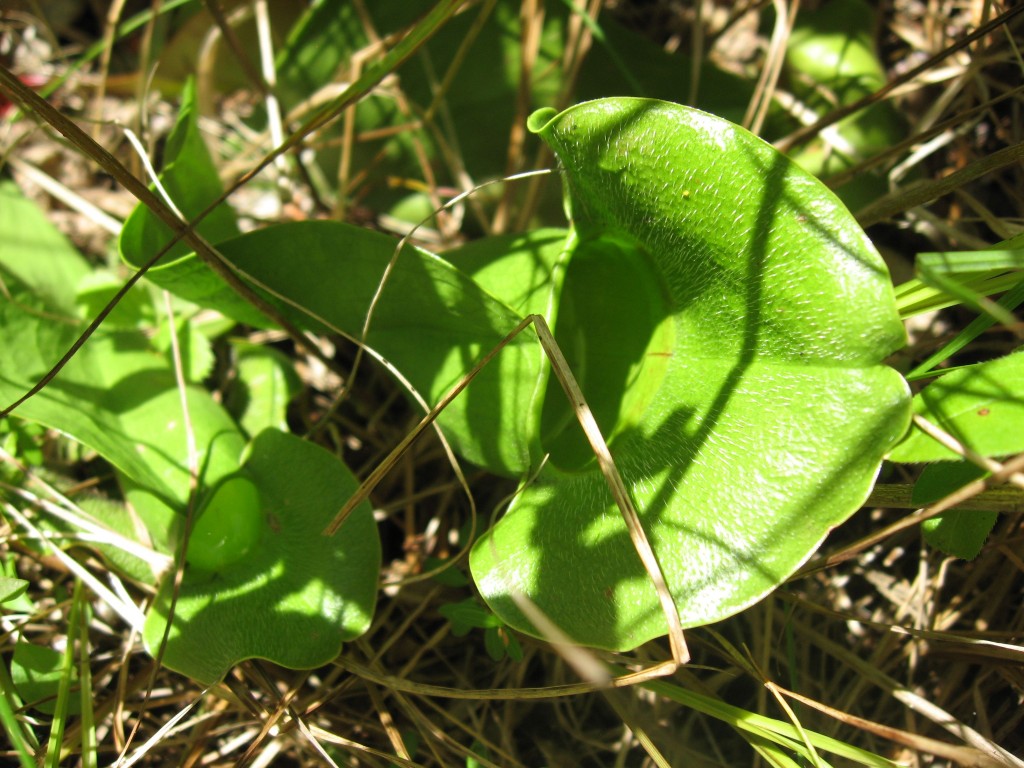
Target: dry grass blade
x,y
966,756
680,654
903,200
969,491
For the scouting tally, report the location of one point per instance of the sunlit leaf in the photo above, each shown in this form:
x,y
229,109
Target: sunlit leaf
x,y
295,595
980,405
728,319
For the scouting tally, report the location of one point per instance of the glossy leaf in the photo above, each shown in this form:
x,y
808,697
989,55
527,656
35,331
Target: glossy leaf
x,y
227,526
980,405
296,595
728,320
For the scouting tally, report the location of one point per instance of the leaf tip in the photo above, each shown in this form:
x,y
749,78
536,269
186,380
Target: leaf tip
x,y
540,119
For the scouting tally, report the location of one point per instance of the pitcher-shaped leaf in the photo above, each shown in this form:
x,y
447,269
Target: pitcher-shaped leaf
x,y
727,319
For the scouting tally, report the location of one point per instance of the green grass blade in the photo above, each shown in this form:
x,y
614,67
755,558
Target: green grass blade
x,y
22,740
1010,301
971,262
937,268
978,274
87,725
60,715
780,732
774,755
915,297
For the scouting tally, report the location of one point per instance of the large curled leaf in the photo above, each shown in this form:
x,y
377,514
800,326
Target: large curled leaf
x,y
727,319
294,595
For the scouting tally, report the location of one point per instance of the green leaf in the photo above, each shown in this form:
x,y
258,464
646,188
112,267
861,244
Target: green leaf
x,y
11,589
18,601
107,383
432,322
468,615
294,595
980,405
833,46
118,396
228,525
24,440
190,178
96,289
37,672
494,644
958,532
728,320
524,271
197,358
266,382
35,255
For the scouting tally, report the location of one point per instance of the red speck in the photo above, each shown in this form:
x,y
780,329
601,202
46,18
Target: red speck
x,y
32,81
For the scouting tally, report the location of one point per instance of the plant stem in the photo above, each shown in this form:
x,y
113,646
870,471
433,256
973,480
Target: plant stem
x,y
898,496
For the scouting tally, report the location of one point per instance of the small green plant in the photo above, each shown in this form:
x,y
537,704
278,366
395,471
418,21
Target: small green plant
x,y
732,362
706,308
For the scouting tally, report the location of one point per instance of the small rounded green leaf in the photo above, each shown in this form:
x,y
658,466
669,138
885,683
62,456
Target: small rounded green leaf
x,y
831,51
227,526
726,318
296,595
959,532
833,46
